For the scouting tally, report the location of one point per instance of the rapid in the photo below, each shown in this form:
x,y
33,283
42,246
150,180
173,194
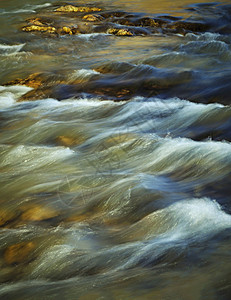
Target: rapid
x,y
115,151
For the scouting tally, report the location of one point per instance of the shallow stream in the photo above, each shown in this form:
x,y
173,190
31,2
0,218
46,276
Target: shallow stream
x,y
115,171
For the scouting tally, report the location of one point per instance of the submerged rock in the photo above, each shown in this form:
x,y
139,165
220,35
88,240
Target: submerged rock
x,y
37,80
42,84
68,141
19,253
35,213
147,22
36,94
186,26
117,139
120,32
113,14
34,80
7,216
72,8
114,67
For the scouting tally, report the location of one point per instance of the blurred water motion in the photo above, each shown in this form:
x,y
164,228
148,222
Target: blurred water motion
x,y
115,174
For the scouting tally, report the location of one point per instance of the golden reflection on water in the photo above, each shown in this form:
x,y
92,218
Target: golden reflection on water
x,y
162,6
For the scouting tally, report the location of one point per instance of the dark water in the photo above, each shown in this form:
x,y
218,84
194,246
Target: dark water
x,y
115,174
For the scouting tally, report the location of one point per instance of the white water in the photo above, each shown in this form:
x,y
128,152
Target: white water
x,y
121,200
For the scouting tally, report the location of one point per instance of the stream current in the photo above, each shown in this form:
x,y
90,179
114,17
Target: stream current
x,y
116,185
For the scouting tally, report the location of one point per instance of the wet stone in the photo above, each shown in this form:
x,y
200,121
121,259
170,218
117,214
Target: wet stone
x,y
40,21
114,93
68,30
124,21
107,23
114,67
42,84
36,94
184,26
93,18
34,80
115,14
120,32
19,253
48,29
102,28
147,22
72,8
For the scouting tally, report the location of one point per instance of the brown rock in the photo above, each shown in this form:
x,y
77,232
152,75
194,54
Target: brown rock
x,y
184,26
7,216
36,94
68,141
92,18
125,22
40,21
147,22
38,213
36,21
19,253
48,29
42,84
72,8
37,80
120,32
67,30
114,14
34,80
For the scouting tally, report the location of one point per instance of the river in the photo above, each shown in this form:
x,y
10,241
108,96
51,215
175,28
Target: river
x,y
115,157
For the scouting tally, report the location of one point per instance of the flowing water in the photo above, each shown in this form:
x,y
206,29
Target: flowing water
x,y
116,184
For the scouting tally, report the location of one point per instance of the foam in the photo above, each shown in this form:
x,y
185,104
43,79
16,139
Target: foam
x,y
10,49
